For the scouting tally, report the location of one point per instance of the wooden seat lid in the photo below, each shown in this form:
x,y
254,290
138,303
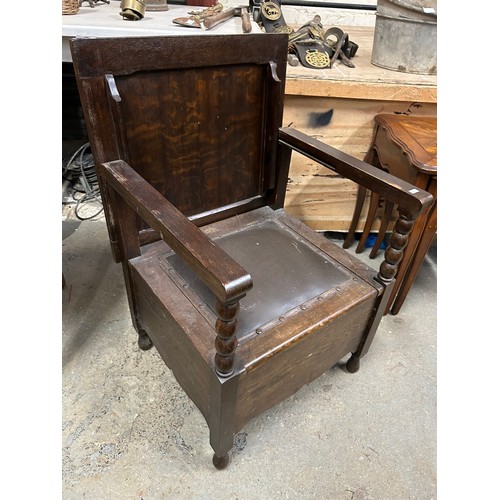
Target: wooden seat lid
x,y
288,270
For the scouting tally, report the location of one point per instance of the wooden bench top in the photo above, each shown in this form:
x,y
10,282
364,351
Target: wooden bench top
x,y
365,81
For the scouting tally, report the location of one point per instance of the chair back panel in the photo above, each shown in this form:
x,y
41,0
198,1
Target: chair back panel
x,y
196,116
198,136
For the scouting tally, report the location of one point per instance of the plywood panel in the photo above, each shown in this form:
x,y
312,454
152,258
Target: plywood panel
x,y
317,196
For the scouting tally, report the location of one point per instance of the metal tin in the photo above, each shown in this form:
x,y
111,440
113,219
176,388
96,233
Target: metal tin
x,y
405,37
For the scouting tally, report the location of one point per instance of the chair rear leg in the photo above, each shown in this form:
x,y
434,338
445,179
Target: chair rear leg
x,y
370,157
353,362
388,207
360,200
372,210
144,342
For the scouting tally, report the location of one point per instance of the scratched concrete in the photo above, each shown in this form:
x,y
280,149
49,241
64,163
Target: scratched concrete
x,y
130,432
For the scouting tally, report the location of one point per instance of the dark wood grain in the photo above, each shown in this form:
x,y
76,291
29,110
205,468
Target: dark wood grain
x,y
120,57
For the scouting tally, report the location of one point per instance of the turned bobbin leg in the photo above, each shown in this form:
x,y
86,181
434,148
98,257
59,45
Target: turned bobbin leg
x,y
386,274
394,254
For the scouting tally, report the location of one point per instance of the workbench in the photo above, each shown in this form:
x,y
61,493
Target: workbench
x,y
104,20
336,105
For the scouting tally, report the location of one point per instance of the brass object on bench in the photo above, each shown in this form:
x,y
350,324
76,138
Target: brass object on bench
x,y
244,303
132,10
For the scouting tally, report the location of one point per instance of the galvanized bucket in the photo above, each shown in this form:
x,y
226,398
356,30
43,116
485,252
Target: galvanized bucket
x,y
406,36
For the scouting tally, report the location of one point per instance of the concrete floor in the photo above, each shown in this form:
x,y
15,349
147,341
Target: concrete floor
x,y
130,432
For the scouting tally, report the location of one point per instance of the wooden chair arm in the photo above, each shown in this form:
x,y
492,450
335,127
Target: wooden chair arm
x,y
221,274
409,199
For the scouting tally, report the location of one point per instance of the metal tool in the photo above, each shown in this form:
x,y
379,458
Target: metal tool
x,y
241,11
197,16
293,60
343,49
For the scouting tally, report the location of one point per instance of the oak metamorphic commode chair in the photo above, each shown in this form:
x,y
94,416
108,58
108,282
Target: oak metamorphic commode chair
x,y
244,303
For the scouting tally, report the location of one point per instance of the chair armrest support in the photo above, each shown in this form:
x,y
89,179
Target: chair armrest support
x,y
410,199
411,202
221,273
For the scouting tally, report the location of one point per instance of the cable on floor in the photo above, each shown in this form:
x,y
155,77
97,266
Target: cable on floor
x,y
79,172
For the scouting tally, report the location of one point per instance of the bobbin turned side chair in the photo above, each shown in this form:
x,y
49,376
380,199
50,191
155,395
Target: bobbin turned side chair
x,y
244,303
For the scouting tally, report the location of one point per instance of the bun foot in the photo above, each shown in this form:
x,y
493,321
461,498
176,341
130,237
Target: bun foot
x,y
144,341
220,462
352,364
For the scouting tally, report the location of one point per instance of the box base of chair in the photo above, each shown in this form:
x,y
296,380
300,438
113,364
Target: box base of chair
x,y
309,324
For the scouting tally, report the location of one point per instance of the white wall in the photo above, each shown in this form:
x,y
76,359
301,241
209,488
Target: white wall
x,y
296,16
329,17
